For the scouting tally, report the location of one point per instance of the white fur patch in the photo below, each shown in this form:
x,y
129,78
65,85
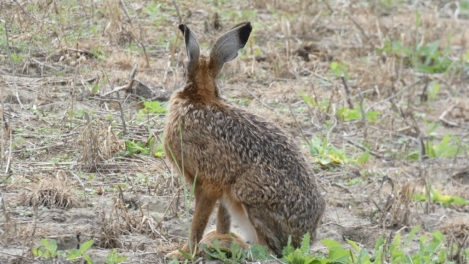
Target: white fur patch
x,y
239,217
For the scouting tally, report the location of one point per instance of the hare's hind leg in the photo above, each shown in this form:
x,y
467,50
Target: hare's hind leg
x,y
224,240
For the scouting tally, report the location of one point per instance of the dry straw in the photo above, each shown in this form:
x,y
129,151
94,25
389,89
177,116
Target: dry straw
x,y
50,192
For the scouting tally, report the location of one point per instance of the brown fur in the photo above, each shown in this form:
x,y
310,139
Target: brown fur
x,y
251,166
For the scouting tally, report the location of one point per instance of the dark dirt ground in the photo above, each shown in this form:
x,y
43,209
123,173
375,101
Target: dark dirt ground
x,y
70,176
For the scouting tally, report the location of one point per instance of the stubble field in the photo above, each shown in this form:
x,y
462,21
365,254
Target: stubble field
x,y
375,92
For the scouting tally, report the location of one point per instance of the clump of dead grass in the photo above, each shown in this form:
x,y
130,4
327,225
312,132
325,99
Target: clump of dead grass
x,y
98,143
456,231
125,217
398,209
56,191
109,232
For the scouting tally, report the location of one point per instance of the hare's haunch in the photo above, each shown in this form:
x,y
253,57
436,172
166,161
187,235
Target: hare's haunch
x,y
248,164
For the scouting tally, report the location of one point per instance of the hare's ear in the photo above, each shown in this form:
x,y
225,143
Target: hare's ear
x,y
192,48
226,47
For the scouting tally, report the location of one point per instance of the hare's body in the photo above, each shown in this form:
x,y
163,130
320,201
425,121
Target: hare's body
x,y
248,164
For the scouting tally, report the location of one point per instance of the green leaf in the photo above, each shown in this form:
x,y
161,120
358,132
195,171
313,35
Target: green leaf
x,y
339,255
364,157
88,259
353,244
411,235
305,243
86,245
396,242
331,244
73,254
288,249
379,243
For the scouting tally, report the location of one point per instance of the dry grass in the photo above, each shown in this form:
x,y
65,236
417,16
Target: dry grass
x,y
125,218
99,143
397,209
55,191
456,231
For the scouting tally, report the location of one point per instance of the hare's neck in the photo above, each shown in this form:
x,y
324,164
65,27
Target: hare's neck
x,y
201,91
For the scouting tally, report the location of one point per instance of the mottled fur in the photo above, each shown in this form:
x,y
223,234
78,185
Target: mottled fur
x,y
250,165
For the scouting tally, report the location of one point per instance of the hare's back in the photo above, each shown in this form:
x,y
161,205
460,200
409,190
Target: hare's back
x,y
246,140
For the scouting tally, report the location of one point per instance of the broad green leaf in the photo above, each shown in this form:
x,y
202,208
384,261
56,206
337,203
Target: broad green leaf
x,y
86,245
331,244
353,244
339,255
411,235
305,243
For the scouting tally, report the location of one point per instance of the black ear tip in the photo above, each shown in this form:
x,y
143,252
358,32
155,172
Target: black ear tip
x,y
245,31
182,27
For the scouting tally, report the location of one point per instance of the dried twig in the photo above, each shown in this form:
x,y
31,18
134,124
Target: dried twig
x,y
7,167
449,122
177,10
347,90
257,98
365,149
394,95
82,185
359,27
365,123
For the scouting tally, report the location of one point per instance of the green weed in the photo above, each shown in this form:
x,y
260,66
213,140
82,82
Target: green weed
x,y
327,154
113,258
340,69
346,114
77,253
435,196
47,249
151,108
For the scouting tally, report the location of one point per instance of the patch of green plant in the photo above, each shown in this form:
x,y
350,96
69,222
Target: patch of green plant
x,y
363,158
433,91
236,253
308,99
432,252
300,255
327,154
47,249
151,108
78,253
426,58
93,89
113,258
232,256
436,196
346,114
444,149
430,127
339,69
136,147
241,101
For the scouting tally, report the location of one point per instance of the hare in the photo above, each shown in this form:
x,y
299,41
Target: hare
x,y
248,164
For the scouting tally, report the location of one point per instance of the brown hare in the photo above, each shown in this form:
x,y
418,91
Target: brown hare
x,y
248,164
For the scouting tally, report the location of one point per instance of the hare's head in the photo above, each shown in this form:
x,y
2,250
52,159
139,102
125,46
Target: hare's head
x,y
201,71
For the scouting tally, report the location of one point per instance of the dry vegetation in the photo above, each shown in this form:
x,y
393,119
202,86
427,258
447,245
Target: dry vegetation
x,y
375,91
